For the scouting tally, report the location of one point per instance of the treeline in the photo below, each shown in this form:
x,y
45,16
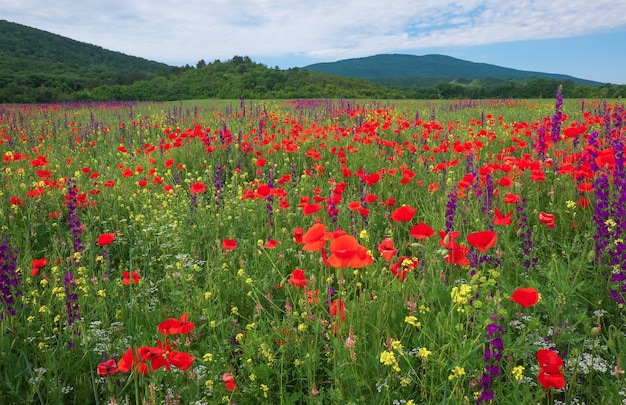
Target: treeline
x,y
239,77
533,88
47,81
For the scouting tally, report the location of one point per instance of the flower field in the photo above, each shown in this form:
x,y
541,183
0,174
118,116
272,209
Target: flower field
x,y
313,251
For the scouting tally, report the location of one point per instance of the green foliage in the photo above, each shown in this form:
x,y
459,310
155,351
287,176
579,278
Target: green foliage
x,y
39,67
423,339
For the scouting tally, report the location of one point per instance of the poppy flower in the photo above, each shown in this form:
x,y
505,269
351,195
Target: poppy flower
x,y
174,326
14,200
182,360
482,240
526,297
126,277
311,209
105,239
229,382
549,361
502,219
108,367
421,231
551,380
550,369
338,309
197,188
457,254
403,214
229,244
447,240
271,244
404,265
346,252
315,238
130,360
297,278
386,249
297,235
37,264
547,219
511,198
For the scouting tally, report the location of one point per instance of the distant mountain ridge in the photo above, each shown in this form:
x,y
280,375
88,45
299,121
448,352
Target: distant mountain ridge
x,y
400,66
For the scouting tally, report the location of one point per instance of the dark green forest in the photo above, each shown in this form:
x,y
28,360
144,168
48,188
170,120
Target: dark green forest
x,y
40,67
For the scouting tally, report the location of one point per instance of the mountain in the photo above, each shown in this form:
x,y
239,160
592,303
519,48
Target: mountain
x,y
38,65
388,68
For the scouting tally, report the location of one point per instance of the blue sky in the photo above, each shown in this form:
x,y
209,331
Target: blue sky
x,y
579,38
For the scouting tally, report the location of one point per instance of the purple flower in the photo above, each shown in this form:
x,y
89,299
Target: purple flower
x,y
9,279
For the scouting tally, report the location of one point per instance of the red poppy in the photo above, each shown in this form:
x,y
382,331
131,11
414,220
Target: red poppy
x,y
502,219
174,326
551,380
297,235
298,278
338,309
311,209
109,184
422,231
197,188
127,280
105,239
315,238
346,252
39,263
547,219
36,265
550,369
511,198
131,359
354,205
14,200
457,254
448,239
404,265
526,297
505,182
386,249
229,382
108,367
229,244
482,240
181,360
549,361
403,214
271,244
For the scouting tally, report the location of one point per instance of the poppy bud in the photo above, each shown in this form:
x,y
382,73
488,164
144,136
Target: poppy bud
x,y
611,343
595,331
591,256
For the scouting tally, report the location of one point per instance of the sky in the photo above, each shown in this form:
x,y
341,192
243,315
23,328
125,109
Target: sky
x,y
581,38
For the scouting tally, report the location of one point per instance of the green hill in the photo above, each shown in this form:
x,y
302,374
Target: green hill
x,y
38,64
40,67
419,71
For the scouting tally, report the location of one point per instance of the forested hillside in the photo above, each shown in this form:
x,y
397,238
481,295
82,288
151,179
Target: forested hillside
x,y
40,67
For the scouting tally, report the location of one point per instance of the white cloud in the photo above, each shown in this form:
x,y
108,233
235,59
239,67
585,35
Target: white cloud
x,y
184,32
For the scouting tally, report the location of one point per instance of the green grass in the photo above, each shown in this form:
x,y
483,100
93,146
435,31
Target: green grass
x,y
423,339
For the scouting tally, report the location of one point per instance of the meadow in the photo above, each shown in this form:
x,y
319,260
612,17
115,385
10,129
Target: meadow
x,y
314,252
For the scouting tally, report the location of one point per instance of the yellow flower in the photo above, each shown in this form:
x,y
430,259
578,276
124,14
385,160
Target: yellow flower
x,y
424,353
412,320
389,359
518,373
456,373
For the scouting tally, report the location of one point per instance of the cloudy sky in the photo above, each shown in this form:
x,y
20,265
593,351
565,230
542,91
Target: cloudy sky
x,y
581,38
